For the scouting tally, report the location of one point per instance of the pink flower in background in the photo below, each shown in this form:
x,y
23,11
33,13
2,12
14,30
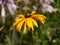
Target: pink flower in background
x,y
10,5
46,1
0,2
49,8
46,6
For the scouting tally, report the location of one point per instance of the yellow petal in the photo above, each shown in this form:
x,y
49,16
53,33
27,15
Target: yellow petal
x,y
17,21
34,22
21,15
19,26
24,31
32,28
33,12
42,20
41,16
29,23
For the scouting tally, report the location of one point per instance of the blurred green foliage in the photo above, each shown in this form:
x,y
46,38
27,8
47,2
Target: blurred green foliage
x,y
47,34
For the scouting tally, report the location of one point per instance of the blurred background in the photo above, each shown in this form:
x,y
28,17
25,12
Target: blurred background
x,y
45,34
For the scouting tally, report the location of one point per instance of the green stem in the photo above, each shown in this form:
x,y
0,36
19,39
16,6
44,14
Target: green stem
x,y
13,37
21,38
32,40
40,35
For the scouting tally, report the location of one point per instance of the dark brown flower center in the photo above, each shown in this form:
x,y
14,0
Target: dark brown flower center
x,y
27,15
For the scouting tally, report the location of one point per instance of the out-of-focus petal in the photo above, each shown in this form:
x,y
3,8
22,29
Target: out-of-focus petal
x,y
13,6
10,1
10,9
3,13
0,2
40,17
46,6
46,1
34,22
17,21
24,31
19,26
49,8
33,12
29,23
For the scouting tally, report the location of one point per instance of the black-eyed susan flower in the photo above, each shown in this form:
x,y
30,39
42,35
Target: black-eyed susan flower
x,y
28,21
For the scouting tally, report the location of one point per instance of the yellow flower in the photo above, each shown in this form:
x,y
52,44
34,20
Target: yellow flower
x,y
28,21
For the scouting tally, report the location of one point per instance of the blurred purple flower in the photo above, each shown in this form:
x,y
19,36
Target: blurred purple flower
x,y
46,1
0,2
46,6
3,13
10,5
49,8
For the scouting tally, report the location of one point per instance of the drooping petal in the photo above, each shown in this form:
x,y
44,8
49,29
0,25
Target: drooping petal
x,y
43,21
24,31
17,21
40,17
32,28
19,26
34,22
29,23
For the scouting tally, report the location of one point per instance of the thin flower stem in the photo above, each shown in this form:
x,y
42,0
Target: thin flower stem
x,y
40,35
32,40
21,38
13,37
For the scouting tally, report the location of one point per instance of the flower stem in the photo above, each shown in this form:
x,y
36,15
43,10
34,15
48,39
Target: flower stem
x,y
21,38
32,40
40,35
13,37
